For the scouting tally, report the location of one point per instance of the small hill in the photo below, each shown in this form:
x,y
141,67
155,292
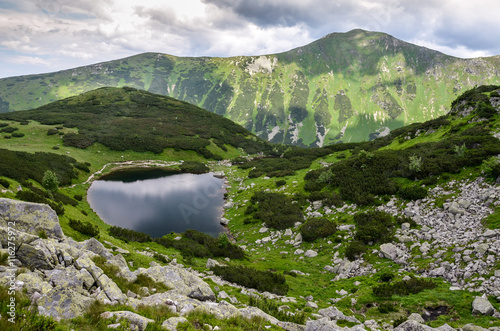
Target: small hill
x,y
129,119
347,87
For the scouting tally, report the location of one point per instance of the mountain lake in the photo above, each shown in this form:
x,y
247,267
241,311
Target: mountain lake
x,y
158,202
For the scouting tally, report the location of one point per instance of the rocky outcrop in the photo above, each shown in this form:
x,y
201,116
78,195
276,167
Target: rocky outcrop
x,y
184,282
31,218
136,321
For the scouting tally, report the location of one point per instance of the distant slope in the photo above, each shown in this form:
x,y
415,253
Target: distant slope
x,y
344,87
130,119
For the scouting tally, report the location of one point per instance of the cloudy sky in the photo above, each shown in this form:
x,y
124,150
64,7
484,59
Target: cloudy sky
x,y
38,36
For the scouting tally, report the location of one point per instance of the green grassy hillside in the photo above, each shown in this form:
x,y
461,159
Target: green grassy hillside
x,y
427,189
346,87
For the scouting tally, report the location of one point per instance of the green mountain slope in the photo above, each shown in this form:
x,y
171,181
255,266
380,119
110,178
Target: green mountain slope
x,y
346,87
129,119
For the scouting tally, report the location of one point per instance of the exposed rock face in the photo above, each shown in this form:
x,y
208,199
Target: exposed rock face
x,y
61,302
183,281
31,218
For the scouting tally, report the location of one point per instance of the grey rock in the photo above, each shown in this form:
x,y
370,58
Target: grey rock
x,y
412,325
335,314
212,263
63,303
263,229
298,251
33,282
111,290
250,312
416,317
310,253
288,232
181,280
135,319
481,249
298,238
31,218
97,247
389,251
172,322
472,327
36,256
312,305
482,306
322,324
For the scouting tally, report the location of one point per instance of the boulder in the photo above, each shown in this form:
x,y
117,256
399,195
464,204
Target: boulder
x,y
111,290
250,312
135,319
32,218
96,247
335,314
389,251
412,325
481,306
172,322
36,256
310,253
322,324
416,317
63,303
288,232
33,282
212,263
181,280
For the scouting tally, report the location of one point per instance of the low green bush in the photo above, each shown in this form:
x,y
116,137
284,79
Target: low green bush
x,y
403,287
5,183
316,228
85,228
128,235
412,192
249,277
355,249
275,209
194,167
374,227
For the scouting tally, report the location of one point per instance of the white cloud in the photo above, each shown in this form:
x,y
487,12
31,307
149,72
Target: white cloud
x,y
30,60
79,32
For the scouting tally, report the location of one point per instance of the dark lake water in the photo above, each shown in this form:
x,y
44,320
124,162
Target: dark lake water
x,y
157,202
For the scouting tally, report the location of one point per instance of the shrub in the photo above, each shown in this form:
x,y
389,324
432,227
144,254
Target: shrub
x,y
128,235
84,227
354,250
316,228
280,183
404,287
5,183
374,227
194,167
82,166
17,134
253,278
50,181
78,197
413,192
276,210
386,308
386,276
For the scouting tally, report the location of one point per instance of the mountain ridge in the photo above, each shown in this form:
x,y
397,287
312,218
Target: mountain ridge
x,y
343,87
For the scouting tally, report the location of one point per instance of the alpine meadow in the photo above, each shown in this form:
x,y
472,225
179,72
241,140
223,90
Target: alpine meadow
x,y
360,177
